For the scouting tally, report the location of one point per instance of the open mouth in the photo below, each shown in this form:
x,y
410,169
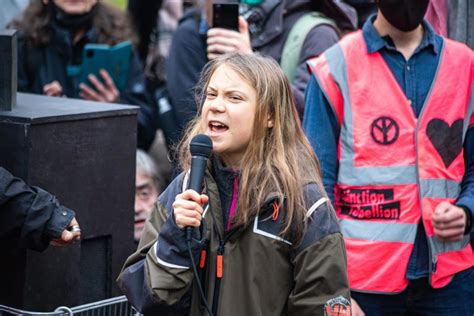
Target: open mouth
x,y
216,126
139,222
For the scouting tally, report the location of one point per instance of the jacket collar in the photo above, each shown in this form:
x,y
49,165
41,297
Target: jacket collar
x,y
220,180
375,42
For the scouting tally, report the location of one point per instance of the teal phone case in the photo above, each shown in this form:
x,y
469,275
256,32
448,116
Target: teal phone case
x,y
114,59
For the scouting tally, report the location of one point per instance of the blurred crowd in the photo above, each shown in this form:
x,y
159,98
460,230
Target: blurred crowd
x,y
173,40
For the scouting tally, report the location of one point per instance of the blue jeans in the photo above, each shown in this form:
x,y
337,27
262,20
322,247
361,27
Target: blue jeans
x,y
456,298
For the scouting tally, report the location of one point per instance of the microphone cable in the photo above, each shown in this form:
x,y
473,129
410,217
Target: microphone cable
x,y
196,277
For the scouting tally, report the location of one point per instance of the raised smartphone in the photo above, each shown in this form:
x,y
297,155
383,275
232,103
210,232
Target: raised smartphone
x,y
225,15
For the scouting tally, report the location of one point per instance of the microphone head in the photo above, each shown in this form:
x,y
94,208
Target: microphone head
x,y
201,145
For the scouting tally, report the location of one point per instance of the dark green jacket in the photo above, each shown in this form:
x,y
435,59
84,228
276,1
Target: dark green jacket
x,y
263,274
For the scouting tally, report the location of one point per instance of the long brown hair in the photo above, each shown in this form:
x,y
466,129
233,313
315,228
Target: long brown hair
x,y
35,24
277,159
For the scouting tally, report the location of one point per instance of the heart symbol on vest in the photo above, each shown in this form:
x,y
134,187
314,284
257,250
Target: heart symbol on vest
x,y
447,140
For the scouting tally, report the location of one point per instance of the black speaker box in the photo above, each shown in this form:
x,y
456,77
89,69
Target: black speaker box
x,y
84,153
8,71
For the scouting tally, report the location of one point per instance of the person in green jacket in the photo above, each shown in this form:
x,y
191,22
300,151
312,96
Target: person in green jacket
x,y
266,240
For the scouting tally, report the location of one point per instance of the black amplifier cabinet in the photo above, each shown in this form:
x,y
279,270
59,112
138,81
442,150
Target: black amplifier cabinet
x,y
8,69
84,153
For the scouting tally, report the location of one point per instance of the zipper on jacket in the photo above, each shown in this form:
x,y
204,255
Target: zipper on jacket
x,y
220,270
220,250
219,274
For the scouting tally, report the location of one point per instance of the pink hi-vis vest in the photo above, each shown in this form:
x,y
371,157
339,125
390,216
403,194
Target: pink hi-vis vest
x,y
394,168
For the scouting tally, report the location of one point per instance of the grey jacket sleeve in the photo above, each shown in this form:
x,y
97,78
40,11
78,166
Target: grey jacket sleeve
x,y
29,216
320,275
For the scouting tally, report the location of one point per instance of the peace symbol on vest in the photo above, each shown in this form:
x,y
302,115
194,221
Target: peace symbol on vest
x,y
384,130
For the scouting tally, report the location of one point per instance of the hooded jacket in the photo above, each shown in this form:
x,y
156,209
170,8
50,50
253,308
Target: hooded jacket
x,y
260,273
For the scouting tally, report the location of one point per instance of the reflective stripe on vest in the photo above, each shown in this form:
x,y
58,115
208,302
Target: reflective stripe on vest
x,y
378,231
395,232
393,168
439,188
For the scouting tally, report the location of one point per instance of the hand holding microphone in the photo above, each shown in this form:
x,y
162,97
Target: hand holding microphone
x,y
187,206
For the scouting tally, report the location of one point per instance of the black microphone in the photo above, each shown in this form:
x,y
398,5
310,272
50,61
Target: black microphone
x,y
201,149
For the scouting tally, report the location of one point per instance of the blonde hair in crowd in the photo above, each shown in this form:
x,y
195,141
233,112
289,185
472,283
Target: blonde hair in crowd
x,y
278,159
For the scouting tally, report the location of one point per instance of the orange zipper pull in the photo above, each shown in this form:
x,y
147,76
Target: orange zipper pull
x,y
220,266
202,261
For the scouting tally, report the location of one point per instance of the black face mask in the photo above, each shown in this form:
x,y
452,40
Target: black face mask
x,y
404,15
71,22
